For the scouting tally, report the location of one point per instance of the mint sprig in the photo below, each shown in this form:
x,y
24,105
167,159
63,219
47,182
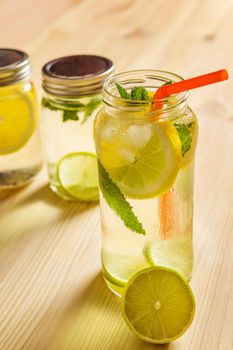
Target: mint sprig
x,y
69,115
47,104
123,92
184,133
71,110
117,201
89,108
138,93
168,82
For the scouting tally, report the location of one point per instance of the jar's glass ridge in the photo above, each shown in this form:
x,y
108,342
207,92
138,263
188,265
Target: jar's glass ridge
x,y
150,79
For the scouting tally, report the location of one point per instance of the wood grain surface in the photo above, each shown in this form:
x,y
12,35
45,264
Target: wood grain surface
x,y
21,20
52,296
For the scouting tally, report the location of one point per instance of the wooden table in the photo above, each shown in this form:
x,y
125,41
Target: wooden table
x,y
52,295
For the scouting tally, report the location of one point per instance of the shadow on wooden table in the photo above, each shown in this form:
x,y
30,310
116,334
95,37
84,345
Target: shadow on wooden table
x,y
26,212
46,195
6,194
93,321
43,193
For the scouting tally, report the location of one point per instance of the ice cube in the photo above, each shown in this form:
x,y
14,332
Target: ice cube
x,y
139,135
108,131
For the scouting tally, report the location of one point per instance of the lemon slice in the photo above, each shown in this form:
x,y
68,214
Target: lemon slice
x,y
17,122
158,305
149,157
77,174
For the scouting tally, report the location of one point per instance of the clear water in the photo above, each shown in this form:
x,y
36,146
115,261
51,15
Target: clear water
x,y
71,136
168,238
124,252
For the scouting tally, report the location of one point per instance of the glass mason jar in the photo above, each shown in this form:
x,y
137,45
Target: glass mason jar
x,y
20,143
146,169
72,95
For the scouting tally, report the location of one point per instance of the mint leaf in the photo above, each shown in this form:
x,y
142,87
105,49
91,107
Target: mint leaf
x,y
47,104
70,110
185,136
90,107
139,94
69,114
117,201
76,106
122,91
168,82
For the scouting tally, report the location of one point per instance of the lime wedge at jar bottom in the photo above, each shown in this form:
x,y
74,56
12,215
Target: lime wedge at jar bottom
x,y
78,175
158,305
154,165
174,253
17,122
119,268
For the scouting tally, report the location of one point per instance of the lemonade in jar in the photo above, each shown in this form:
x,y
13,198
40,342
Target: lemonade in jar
x,y
146,171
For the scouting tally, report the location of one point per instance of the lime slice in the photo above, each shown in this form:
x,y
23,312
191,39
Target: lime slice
x,y
174,253
158,305
119,268
149,158
78,175
17,122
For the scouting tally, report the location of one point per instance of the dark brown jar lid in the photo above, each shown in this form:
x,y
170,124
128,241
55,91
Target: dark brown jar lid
x,y
76,75
14,66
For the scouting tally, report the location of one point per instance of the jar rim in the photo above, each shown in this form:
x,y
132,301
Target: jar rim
x,y
142,78
76,75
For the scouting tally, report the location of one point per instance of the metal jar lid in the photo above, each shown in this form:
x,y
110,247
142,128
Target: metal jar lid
x,y
14,66
76,75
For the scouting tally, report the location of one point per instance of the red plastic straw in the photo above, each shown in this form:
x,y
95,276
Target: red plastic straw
x,y
189,84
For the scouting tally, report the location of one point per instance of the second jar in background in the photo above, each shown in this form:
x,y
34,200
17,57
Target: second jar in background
x,y
72,95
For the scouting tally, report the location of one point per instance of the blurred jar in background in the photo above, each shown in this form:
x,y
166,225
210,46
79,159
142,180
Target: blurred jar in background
x,y
20,143
72,96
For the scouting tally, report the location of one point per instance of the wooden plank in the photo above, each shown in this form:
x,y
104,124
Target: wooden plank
x,y
52,294
21,20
